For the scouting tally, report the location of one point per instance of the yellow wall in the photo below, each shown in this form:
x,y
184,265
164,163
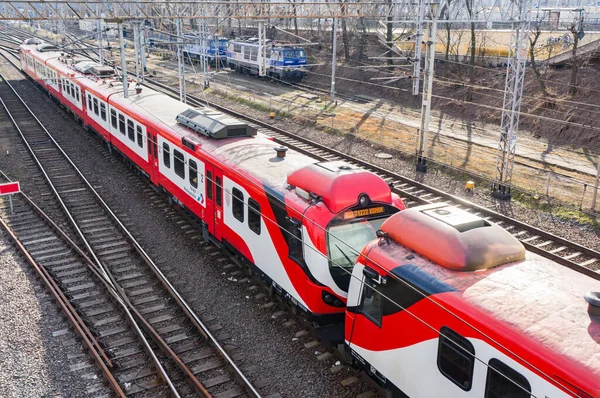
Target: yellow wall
x,y
496,42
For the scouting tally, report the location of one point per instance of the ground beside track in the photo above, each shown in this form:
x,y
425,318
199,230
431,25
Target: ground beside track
x,y
36,342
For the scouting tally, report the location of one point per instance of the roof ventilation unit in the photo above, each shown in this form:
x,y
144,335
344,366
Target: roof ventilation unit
x,y
214,124
46,47
33,40
453,238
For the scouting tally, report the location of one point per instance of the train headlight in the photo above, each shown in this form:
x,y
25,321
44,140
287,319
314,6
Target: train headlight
x,y
363,200
330,299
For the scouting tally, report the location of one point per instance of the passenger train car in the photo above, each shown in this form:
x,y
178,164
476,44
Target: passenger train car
x,y
430,301
446,304
284,61
275,212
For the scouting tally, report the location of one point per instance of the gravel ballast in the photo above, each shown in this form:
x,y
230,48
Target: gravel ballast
x,y
37,346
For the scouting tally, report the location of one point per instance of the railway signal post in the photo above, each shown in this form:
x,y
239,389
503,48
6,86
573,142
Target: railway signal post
x,y
9,189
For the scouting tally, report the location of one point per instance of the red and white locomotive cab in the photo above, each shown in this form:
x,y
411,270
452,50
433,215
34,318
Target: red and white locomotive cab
x,y
342,207
446,304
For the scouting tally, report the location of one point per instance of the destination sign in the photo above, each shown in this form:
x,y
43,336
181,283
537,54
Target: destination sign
x,y
364,212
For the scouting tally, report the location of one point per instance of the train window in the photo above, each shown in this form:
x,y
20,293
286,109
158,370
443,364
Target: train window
x,y
456,358
237,48
113,118
193,175
254,216
103,111
209,185
155,147
130,130
122,124
140,136
504,381
77,96
149,140
178,162
96,106
219,191
89,97
371,303
294,238
166,155
237,208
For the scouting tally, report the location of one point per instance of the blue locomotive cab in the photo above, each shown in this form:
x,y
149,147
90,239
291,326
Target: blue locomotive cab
x,y
289,63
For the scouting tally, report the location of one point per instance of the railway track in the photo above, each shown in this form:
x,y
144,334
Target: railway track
x,y
563,251
195,360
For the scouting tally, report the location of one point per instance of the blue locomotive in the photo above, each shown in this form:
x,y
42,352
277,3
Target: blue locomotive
x,y
284,61
214,47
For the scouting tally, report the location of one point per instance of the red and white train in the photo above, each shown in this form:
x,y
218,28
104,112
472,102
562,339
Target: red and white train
x,y
436,302
275,211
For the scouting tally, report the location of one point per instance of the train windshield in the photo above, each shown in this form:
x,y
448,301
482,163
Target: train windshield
x,y
294,54
346,241
223,43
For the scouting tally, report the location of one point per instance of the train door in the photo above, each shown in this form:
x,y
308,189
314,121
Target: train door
x,y
218,202
152,155
365,320
208,214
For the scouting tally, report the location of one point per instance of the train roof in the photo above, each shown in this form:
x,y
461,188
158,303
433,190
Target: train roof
x,y
253,41
536,296
253,156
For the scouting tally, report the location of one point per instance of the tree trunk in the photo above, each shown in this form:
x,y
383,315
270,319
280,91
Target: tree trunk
x,y
574,63
345,39
363,40
295,12
534,65
448,38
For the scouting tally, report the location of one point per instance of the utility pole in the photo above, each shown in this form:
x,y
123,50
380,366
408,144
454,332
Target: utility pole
x,y
595,193
100,48
515,75
180,61
427,88
136,48
123,61
99,28
143,50
418,43
333,59
204,45
262,48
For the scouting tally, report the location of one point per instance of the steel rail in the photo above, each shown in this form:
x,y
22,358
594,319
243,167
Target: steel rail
x,y
411,184
75,320
106,275
425,189
198,324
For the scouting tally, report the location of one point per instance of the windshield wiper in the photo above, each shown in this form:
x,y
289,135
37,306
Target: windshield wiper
x,y
350,262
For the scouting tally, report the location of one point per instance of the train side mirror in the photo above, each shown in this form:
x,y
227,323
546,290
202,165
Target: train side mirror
x,y
370,273
380,234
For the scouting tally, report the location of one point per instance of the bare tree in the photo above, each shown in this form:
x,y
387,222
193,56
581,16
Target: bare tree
x,y
389,36
295,12
362,40
573,84
448,27
345,38
533,39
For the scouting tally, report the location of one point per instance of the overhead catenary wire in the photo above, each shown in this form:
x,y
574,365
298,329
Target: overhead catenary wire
x,y
345,270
